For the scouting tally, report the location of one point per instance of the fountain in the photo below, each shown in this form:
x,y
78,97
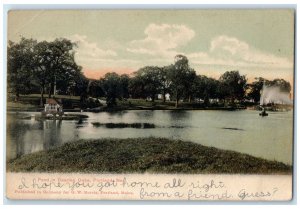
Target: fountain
x,y
273,95
273,99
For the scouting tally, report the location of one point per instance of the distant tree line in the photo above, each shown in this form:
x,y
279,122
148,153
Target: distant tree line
x,y
48,67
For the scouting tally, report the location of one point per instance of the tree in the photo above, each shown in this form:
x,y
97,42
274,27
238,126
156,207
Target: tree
x,y
41,66
222,91
181,77
211,88
136,87
190,79
233,84
111,87
95,88
60,63
165,81
255,89
124,83
204,88
81,88
66,82
150,78
19,66
284,85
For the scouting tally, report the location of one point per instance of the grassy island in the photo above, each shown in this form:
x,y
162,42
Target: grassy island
x,y
140,155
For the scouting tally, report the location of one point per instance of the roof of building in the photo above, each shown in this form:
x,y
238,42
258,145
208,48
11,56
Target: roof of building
x,y
51,101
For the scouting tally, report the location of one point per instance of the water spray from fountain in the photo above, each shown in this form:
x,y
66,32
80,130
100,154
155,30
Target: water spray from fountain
x,y
273,95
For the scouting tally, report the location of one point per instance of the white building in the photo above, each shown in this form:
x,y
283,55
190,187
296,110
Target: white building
x,y
167,95
53,107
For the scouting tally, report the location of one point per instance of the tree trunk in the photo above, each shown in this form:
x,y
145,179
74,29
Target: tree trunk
x,y
49,93
206,101
164,96
190,98
176,104
50,90
153,97
42,96
177,99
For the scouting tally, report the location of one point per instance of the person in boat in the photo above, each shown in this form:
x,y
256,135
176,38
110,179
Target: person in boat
x,y
263,112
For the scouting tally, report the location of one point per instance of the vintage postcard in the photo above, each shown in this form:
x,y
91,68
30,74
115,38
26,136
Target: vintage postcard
x,y
150,104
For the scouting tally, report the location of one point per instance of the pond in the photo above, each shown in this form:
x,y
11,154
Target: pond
x,y
243,131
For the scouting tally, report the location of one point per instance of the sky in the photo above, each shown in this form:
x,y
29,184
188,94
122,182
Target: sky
x,y
257,43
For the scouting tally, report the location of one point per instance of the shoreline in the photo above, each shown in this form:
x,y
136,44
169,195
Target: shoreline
x,y
31,103
133,108
141,155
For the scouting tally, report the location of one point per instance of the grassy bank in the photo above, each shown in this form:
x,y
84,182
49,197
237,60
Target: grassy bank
x,y
154,155
31,102
170,105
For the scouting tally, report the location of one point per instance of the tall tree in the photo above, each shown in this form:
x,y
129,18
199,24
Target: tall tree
x,y
124,83
60,61
254,88
234,84
150,78
55,67
95,88
136,87
19,66
81,88
181,77
41,61
205,88
111,87
165,81
190,79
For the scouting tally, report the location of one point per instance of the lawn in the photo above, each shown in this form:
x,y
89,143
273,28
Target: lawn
x,y
140,155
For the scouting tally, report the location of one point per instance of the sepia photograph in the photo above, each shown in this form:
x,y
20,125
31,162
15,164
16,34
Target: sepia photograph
x,y
155,104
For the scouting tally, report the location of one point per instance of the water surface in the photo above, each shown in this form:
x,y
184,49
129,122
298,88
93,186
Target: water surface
x,y
243,131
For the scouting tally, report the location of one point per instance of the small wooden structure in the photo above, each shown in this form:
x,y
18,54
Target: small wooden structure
x,y
53,107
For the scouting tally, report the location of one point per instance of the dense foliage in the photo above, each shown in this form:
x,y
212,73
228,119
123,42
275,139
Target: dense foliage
x,y
50,67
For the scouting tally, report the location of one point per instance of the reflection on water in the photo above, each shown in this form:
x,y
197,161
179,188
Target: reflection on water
x,y
27,136
268,137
